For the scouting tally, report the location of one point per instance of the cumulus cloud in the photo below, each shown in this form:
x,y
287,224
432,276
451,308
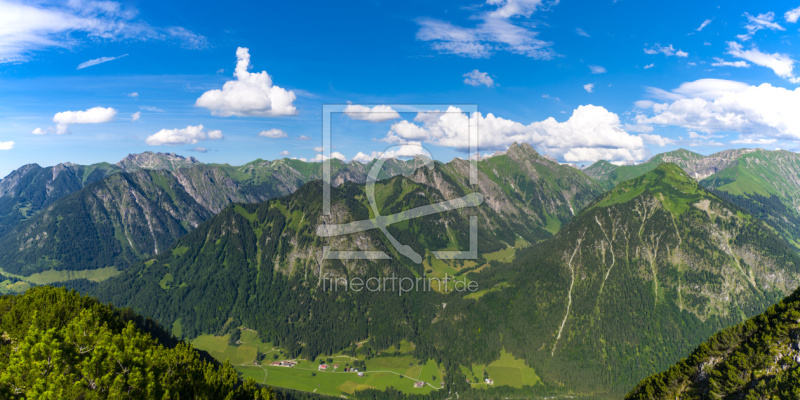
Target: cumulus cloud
x,y
134,94
285,153
135,116
781,64
656,140
100,60
189,135
273,133
597,69
251,94
591,133
667,51
6,145
410,149
478,78
64,119
714,105
499,29
648,66
722,63
303,137
372,114
334,155
589,87
28,27
792,15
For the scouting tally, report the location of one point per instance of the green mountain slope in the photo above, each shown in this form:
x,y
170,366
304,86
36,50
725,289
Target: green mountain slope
x,y
26,191
59,345
765,183
636,280
758,359
130,215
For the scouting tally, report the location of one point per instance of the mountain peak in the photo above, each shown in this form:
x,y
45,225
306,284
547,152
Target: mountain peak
x,y
152,160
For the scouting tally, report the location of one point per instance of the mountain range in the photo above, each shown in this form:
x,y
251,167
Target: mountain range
x,y
594,279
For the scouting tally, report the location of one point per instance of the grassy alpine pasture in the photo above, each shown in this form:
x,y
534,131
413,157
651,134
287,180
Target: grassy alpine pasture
x,y
398,371
505,371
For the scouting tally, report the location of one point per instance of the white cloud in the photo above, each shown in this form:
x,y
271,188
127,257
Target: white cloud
x,y
597,69
285,153
759,22
648,66
752,111
667,51
722,63
656,140
251,94
589,87
478,78
303,137
781,64
581,32
703,25
133,94
410,149
100,60
495,31
151,108
792,15
273,133
334,155
96,115
135,116
378,113
31,26
40,131
6,145
189,135
590,134
318,149
755,141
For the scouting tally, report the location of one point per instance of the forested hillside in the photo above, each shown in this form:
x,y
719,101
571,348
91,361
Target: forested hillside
x,y
57,344
641,276
757,359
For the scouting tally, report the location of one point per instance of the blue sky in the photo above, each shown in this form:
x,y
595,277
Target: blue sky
x,y
579,80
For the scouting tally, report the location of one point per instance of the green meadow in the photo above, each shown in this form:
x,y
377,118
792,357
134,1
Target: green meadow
x,y
398,371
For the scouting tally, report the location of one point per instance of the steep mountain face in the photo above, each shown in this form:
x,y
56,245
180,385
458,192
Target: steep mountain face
x,y
758,359
765,183
636,280
247,248
151,160
26,191
139,214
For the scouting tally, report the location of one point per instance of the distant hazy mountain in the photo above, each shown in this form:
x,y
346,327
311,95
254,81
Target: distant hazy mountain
x,y
758,359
